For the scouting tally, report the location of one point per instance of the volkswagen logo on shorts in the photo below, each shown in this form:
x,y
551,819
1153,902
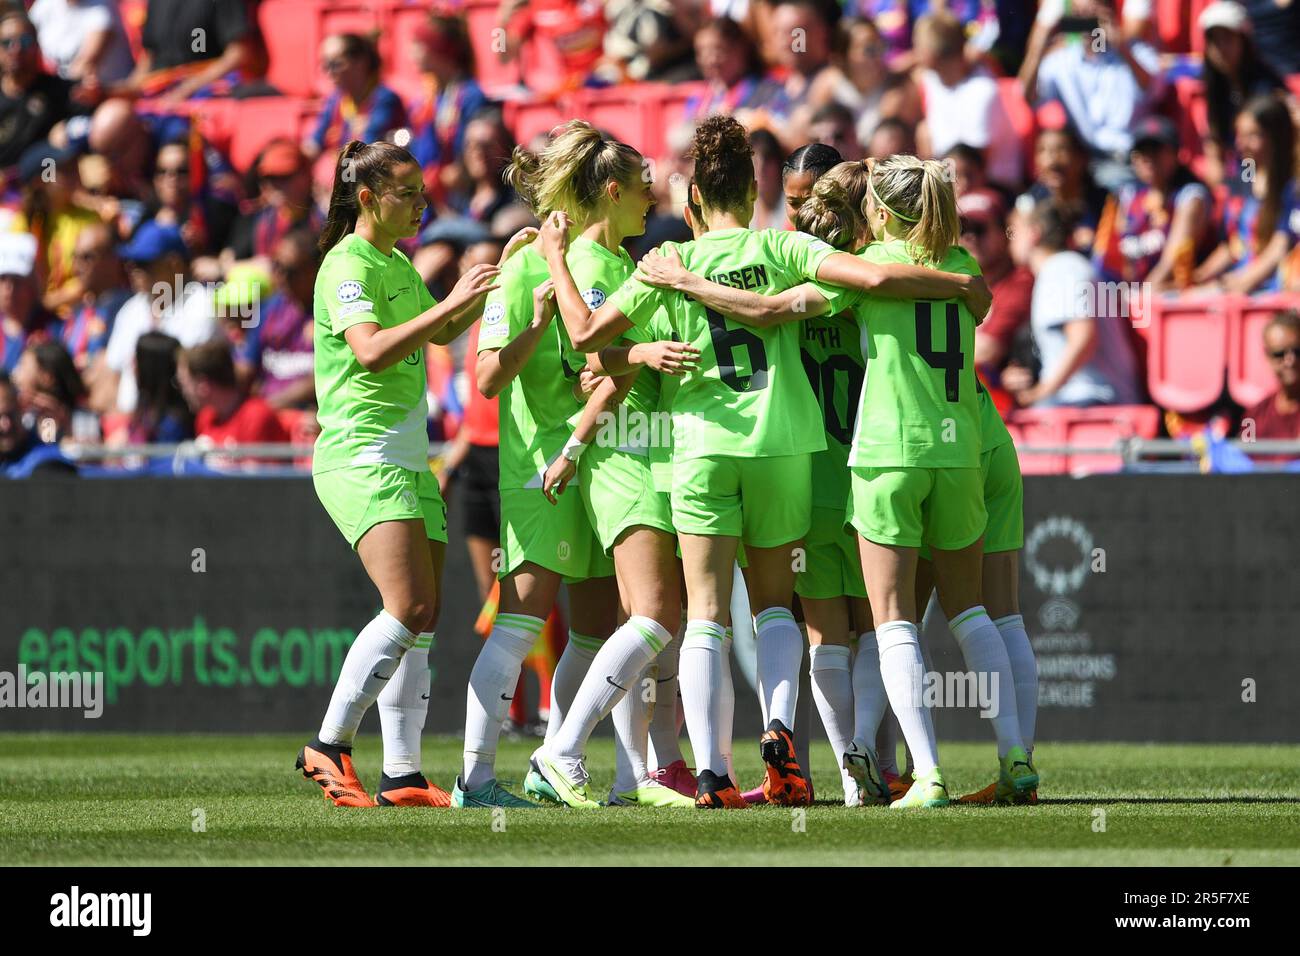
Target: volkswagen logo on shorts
x,y
562,551
408,499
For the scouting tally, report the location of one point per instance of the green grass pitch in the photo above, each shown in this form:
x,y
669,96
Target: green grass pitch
x,y
118,799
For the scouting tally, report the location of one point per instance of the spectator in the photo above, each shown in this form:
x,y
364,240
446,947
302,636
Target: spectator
x,y
769,209
222,414
50,213
1086,358
275,357
984,234
161,415
961,101
479,192
101,294
22,453
1278,415
966,164
163,300
800,47
890,137
50,391
442,49
833,125
360,106
1105,82
893,23
1156,229
574,30
117,131
1063,178
191,47
84,40
32,103
1234,74
801,169
23,320
1260,218
1277,34
176,205
650,41
860,80
730,66
282,182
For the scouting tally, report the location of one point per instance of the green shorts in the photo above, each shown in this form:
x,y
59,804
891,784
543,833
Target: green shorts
x,y
358,497
833,567
557,537
618,492
766,502
1004,500
908,507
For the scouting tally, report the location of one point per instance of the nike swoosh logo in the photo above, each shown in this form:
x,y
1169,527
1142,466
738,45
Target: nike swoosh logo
x,y
382,677
504,697
424,697
619,686
396,294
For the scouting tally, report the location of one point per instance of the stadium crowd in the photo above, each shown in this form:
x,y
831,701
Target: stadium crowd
x,y
155,287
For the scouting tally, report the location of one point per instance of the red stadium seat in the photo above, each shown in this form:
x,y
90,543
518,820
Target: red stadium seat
x,y
1250,378
1097,427
628,113
1191,119
1188,352
1173,25
293,31
1029,428
258,121
528,118
481,15
400,69
1195,37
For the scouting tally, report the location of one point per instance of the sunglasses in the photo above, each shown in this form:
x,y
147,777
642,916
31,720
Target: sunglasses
x,y
338,63
24,42
173,170
1280,354
976,229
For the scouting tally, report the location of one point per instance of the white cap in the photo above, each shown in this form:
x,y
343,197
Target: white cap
x,y
1227,14
17,254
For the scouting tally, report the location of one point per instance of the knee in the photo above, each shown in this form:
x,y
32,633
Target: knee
x,y
417,614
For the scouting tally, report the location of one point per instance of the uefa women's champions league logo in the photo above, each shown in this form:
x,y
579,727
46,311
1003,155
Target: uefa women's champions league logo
x,y
1071,545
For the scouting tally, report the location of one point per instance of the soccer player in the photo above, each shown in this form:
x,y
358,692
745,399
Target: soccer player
x,y
373,319
744,428
525,357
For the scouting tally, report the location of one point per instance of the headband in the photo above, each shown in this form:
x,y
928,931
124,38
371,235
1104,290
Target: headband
x,y
871,182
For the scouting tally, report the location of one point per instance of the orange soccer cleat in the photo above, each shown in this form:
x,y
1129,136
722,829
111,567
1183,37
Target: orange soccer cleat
x,y
985,796
785,783
412,790
718,793
331,767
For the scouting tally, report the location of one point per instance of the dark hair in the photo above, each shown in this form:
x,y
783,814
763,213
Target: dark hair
x,y
1288,319
967,152
724,163
843,36
733,33
815,158
1055,225
356,46
155,378
835,111
894,123
765,144
68,388
212,361
459,47
1072,138
358,165
1221,104
1274,118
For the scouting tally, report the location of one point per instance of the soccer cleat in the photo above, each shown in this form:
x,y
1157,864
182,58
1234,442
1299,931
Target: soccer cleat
x,y
927,791
677,776
860,764
718,793
650,794
899,786
784,783
984,797
535,786
1017,778
331,767
491,794
412,790
567,779
754,796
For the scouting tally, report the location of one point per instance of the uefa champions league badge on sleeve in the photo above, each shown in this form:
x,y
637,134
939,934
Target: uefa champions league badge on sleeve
x,y
494,313
594,298
349,291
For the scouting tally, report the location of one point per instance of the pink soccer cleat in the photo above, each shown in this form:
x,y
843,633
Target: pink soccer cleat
x,y
676,776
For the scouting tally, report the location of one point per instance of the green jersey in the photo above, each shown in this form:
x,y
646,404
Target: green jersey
x,y
993,430
918,406
832,357
747,398
537,405
368,417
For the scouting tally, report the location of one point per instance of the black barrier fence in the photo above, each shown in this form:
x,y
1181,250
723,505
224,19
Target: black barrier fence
x,y
1161,608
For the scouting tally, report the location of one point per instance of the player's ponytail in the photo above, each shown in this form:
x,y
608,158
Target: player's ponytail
x,y
520,175
571,173
833,212
919,195
358,165
724,164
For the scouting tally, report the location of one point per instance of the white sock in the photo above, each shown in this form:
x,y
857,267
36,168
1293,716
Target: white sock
x,y
981,645
780,654
887,742
869,697
631,734
613,672
371,662
1024,672
664,748
832,691
726,709
904,676
403,706
492,685
569,672
702,662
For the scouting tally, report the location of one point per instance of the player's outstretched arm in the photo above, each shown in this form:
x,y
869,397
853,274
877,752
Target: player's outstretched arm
x,y
588,331
901,281
668,357
474,310
497,368
748,308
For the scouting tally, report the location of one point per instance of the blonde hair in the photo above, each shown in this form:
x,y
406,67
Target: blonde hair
x,y
919,194
834,210
570,173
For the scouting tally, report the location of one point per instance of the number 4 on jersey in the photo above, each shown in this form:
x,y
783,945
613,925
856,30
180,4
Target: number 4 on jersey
x,y
950,361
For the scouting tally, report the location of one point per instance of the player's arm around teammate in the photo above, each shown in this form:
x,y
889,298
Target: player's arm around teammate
x,y
373,318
